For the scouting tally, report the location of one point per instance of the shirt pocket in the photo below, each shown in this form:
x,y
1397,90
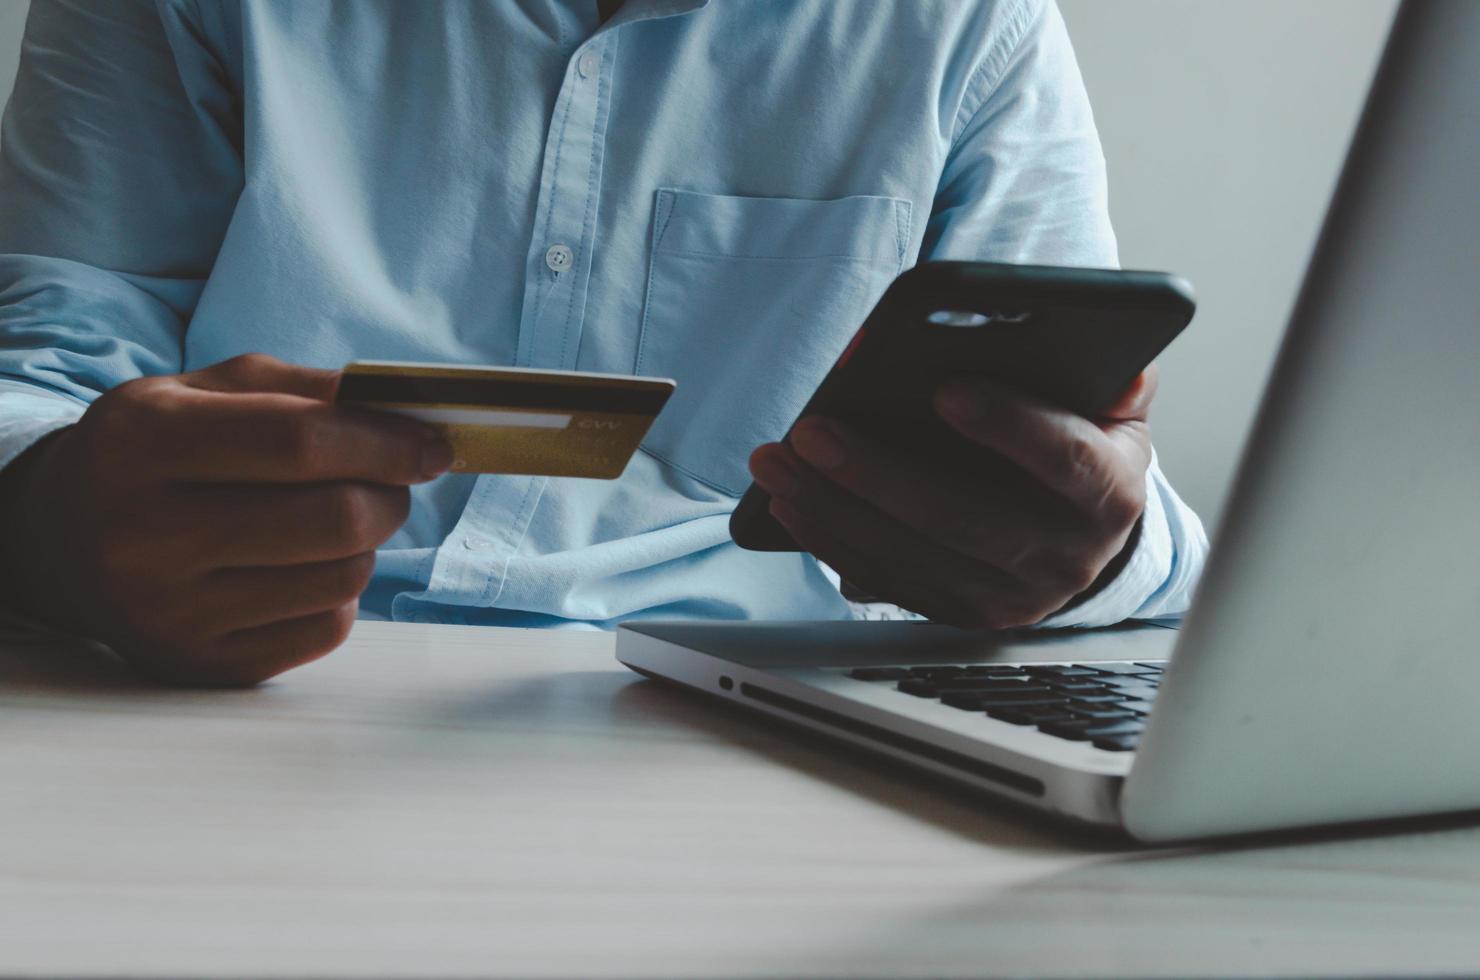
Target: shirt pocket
x,y
749,301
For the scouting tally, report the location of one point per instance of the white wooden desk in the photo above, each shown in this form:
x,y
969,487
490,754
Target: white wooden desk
x,y
439,801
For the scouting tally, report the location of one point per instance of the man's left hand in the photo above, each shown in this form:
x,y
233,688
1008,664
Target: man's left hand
x,y
970,541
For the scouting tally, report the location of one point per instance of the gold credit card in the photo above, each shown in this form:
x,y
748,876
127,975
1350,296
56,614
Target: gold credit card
x,y
517,420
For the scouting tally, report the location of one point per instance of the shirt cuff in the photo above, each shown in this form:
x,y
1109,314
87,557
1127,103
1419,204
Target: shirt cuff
x,y
1157,582
26,418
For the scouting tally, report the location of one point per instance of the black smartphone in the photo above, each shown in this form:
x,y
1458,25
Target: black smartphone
x,y
1075,337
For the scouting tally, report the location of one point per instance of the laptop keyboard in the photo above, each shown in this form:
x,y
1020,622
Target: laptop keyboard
x,y
1104,703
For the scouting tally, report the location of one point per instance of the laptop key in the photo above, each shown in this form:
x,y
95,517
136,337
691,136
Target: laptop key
x,y
924,687
1021,697
1141,707
1117,743
1113,667
990,684
1082,730
1152,665
1097,700
1081,687
1027,716
965,700
992,670
1114,729
1060,670
1103,714
936,670
1048,709
1133,689
943,673
1138,695
878,673
976,701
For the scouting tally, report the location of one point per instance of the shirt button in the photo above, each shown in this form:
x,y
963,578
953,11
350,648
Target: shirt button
x,y
588,64
559,257
474,543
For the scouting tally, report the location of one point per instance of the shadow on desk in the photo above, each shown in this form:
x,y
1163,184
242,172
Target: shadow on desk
x,y
884,781
39,662
1376,896
977,816
422,712
1396,904
618,705
409,811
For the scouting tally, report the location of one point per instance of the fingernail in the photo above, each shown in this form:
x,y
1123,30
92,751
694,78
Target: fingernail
x,y
436,456
819,447
776,475
961,402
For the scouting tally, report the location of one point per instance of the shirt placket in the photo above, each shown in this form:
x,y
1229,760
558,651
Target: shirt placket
x,y
558,263
473,565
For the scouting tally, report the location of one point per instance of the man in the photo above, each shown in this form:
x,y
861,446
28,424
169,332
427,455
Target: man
x,y
714,191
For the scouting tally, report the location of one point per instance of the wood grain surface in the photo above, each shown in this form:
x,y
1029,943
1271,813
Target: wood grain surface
x,y
449,801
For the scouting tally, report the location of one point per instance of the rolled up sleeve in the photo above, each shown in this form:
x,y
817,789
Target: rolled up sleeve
x,y
120,164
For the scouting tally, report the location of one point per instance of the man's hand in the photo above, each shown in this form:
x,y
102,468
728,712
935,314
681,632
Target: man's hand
x,y
1001,539
215,527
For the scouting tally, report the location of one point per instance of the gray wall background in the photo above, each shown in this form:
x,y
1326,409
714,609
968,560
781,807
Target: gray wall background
x,y
12,19
1224,126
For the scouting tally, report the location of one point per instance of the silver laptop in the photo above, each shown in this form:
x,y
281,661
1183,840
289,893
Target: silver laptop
x,y
1330,668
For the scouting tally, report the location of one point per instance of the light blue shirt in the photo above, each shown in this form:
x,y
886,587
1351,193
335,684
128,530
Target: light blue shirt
x,y
731,183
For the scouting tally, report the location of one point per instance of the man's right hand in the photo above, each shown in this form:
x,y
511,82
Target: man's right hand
x,y
215,527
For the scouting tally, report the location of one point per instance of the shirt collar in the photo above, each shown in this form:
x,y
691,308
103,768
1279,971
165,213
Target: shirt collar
x,y
635,10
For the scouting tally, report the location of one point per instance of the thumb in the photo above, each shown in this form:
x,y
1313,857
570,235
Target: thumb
x,y
251,373
1134,404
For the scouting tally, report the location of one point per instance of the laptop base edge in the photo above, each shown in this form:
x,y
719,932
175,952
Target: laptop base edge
x,y
1083,800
